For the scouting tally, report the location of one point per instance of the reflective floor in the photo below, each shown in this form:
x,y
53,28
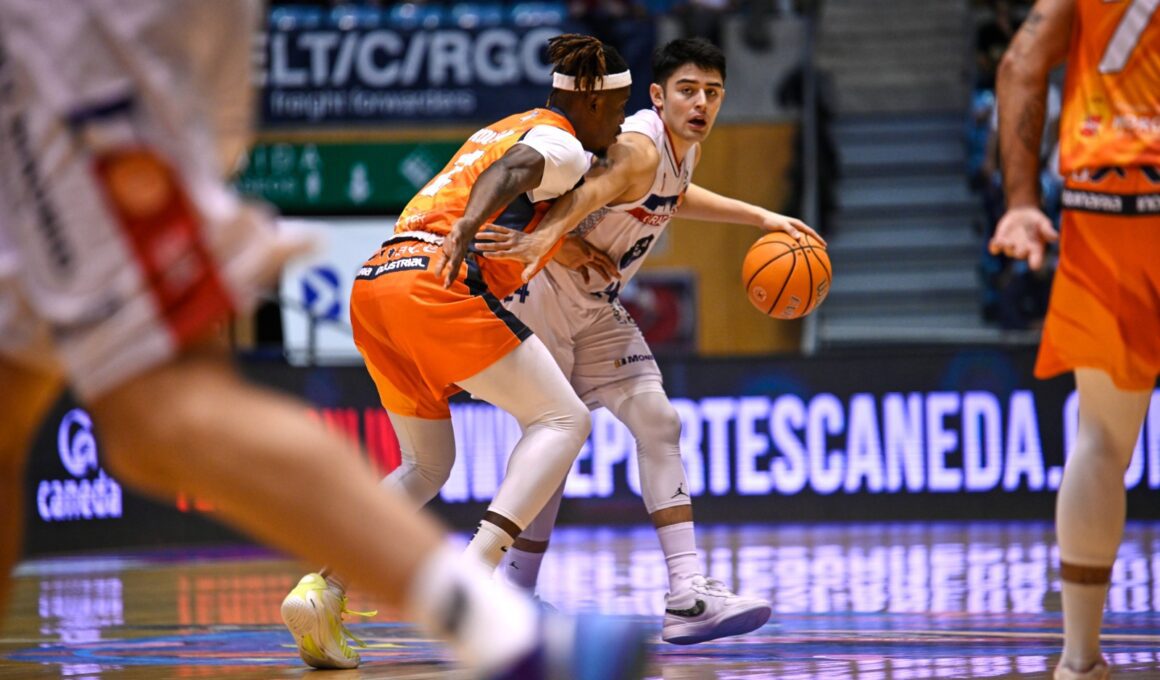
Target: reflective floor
x,y
866,602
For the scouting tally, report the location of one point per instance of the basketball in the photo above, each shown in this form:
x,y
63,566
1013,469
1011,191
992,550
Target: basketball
x,y
785,278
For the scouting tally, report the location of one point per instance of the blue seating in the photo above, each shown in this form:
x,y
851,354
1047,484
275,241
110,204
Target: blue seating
x,y
538,13
291,17
410,15
348,17
470,15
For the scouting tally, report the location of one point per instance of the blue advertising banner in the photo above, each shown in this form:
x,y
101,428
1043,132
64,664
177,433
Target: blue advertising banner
x,y
328,74
884,435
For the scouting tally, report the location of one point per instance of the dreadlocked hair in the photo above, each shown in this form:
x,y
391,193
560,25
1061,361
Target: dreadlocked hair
x,y
584,58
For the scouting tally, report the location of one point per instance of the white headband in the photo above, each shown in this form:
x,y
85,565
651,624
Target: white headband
x,y
612,81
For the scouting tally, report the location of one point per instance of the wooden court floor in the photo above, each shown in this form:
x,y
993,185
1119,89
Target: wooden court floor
x,y
852,601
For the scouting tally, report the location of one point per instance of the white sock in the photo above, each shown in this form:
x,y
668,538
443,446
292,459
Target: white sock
x,y
679,544
521,568
487,623
489,544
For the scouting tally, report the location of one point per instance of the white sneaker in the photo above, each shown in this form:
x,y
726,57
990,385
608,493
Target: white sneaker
x,y
313,613
707,610
1100,671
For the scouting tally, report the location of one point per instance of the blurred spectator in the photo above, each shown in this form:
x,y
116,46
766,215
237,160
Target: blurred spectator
x,y
991,40
790,94
1014,296
627,26
703,19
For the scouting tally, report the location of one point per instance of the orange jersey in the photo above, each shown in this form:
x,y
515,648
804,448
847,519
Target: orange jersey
x,y
1111,99
443,200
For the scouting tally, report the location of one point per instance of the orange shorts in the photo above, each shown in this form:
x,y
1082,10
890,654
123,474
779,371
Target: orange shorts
x,y
1105,300
419,339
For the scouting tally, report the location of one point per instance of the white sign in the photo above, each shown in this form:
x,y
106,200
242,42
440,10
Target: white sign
x,y
315,290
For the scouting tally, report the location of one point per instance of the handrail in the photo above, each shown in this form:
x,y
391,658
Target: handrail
x,y
809,161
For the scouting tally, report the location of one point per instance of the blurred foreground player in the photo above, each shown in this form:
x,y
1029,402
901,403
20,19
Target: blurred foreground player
x,y
121,252
1103,320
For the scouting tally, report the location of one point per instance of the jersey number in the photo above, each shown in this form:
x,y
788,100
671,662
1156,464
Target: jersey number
x,y
637,251
522,293
1127,35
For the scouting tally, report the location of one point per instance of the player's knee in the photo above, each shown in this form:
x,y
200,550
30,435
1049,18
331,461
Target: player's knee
x,y
652,419
665,422
435,472
567,415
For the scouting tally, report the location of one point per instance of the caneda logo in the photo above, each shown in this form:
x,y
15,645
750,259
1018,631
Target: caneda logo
x,y
79,498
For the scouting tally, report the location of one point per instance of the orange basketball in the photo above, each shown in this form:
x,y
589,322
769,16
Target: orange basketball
x,y
785,278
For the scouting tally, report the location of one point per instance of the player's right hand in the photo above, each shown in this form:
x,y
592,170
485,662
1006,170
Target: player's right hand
x,y
451,254
1022,233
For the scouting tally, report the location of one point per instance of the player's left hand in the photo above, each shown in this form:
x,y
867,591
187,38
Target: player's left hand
x,y
511,244
452,253
790,225
577,254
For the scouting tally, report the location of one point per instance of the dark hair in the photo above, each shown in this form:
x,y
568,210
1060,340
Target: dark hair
x,y
585,58
697,51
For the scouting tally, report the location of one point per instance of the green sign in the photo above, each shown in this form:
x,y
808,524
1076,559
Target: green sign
x,y
340,178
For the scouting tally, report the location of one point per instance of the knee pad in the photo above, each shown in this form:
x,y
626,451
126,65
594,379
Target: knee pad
x,y
657,428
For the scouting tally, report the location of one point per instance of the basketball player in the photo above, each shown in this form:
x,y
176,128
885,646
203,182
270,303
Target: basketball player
x,y
625,206
427,316
121,252
1103,319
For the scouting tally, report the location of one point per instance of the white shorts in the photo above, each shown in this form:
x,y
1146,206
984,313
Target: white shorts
x,y
119,242
596,343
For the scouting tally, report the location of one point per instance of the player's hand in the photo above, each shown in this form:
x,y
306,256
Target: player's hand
x,y
1022,233
511,244
452,253
580,255
790,225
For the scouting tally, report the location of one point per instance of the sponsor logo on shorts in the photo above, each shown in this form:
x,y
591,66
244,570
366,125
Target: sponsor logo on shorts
x,y
1113,204
403,264
632,359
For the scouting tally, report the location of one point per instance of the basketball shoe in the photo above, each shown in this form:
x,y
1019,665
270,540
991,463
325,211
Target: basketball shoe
x,y
1100,671
313,612
581,648
706,610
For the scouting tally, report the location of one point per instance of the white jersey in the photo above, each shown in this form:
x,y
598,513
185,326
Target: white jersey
x,y
626,232
590,334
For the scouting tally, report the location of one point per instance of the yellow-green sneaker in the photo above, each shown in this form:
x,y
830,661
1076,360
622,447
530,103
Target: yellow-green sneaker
x,y
313,612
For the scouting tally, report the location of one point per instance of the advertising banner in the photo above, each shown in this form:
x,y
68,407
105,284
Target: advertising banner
x,y
906,435
417,75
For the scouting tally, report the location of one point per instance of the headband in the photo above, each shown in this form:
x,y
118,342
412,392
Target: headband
x,y
612,81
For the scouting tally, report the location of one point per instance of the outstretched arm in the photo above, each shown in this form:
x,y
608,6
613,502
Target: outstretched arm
x,y
630,162
702,204
1039,46
517,172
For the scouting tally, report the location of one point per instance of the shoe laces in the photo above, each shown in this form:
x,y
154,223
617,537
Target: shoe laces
x,y
343,611
712,586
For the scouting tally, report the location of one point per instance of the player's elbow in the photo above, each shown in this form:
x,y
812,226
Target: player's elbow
x,y
1018,70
